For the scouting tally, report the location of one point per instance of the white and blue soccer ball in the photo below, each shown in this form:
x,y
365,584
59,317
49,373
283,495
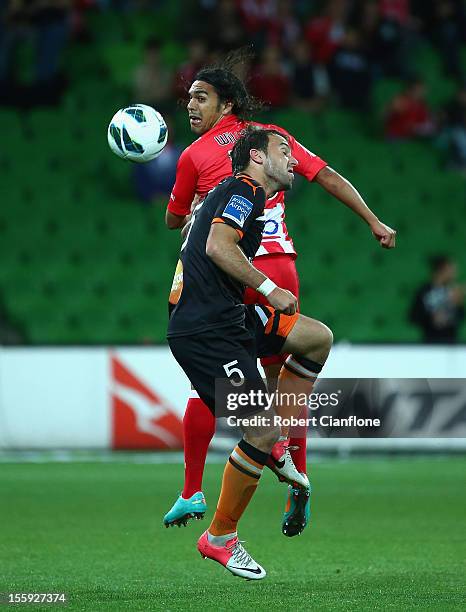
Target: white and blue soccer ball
x,y
138,133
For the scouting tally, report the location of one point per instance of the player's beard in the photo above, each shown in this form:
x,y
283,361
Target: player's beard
x,y
279,179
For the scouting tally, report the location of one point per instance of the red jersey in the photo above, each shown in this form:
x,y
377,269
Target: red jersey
x,y
206,162
409,117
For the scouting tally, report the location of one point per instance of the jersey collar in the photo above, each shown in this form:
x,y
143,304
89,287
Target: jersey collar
x,y
223,124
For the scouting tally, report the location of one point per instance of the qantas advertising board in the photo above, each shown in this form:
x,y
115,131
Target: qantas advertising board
x,y
134,398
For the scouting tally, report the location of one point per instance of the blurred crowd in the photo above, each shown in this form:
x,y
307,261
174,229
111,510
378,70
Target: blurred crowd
x,y
307,54
339,50
312,54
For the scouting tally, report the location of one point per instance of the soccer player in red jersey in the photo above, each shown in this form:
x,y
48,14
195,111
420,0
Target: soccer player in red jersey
x,y
219,110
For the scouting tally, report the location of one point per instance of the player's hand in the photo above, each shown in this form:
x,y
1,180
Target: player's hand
x,y
283,301
185,228
195,201
385,236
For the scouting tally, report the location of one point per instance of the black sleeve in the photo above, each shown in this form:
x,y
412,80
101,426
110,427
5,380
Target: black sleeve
x,y
460,313
243,204
418,313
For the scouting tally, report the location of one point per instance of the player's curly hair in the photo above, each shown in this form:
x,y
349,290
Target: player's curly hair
x,y
229,86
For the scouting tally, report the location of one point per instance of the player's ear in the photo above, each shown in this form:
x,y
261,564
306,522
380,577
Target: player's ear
x,y
257,156
228,108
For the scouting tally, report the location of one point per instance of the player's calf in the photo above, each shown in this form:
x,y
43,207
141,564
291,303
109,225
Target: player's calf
x,y
262,437
309,344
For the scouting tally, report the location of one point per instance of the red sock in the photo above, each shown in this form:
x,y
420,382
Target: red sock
x,y
298,437
198,429
299,455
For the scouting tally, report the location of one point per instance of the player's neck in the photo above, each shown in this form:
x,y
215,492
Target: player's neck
x,y
270,187
219,120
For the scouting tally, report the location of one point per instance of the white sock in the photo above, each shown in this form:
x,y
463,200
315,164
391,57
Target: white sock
x,y
221,540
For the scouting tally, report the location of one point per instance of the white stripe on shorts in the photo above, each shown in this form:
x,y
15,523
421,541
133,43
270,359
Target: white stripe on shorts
x,y
262,315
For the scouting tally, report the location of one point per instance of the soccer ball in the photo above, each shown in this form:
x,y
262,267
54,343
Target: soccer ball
x,y
138,133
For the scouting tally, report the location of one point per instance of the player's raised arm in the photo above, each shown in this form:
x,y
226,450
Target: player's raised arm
x,y
316,169
343,190
183,192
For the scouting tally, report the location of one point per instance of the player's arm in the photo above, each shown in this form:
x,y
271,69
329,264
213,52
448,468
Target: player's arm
x,y
183,192
339,187
232,219
316,169
222,247
173,221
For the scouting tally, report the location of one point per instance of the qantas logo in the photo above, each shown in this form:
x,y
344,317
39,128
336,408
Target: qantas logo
x,y
141,418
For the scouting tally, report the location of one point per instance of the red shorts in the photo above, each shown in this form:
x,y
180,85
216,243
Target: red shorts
x,y
281,269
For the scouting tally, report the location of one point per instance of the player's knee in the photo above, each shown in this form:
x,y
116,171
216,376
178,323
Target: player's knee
x,y
318,337
325,336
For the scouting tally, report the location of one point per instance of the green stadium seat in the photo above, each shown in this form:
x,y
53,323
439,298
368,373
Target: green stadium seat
x,y
83,262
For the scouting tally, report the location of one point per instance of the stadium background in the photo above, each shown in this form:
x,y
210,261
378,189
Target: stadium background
x,y
86,263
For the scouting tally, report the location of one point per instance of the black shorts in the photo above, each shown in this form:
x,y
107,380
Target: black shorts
x,y
222,362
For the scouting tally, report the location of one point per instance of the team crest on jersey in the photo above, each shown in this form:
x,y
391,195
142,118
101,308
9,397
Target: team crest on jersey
x,y
238,209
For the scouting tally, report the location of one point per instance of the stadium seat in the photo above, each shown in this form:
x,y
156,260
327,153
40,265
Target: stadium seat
x,y
110,261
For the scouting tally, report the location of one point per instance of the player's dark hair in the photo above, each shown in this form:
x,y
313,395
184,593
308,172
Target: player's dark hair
x,y
153,44
439,261
252,138
229,86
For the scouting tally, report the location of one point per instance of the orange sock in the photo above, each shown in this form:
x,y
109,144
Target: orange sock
x,y
240,479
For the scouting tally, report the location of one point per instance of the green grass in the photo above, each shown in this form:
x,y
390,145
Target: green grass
x,y
385,535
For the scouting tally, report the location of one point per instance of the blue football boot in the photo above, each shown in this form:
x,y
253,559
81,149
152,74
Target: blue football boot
x,y
297,511
185,509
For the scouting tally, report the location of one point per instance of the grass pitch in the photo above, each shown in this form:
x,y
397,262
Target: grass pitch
x,y
385,535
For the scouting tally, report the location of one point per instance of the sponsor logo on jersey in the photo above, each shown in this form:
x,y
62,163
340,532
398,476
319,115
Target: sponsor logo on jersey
x,y
271,227
225,139
238,209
